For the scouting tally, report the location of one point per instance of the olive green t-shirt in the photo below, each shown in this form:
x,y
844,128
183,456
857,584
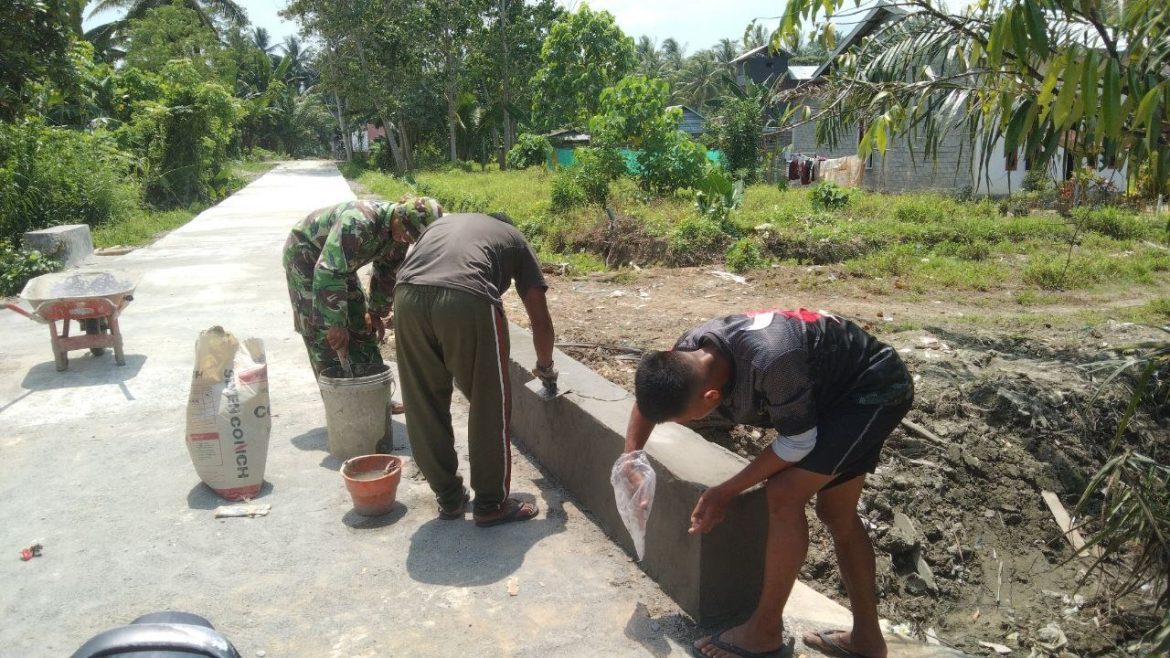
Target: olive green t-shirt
x,y
475,253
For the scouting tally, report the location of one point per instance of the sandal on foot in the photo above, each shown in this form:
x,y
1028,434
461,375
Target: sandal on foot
x,y
829,646
397,408
510,510
717,641
457,513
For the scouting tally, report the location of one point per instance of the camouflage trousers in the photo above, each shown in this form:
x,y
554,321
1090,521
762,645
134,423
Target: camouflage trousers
x,y
299,263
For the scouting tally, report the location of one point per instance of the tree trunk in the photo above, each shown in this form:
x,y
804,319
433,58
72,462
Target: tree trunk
x,y
407,149
500,159
452,89
388,126
509,137
346,139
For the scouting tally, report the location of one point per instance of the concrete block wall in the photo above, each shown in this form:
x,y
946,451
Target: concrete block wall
x,y
903,168
70,244
576,439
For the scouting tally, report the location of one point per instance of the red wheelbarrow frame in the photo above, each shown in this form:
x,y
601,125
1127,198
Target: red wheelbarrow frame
x,y
103,333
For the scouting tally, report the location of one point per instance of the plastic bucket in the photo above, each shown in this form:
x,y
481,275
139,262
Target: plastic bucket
x,y
372,481
357,409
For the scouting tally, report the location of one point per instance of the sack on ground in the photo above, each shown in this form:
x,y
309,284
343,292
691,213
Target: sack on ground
x,y
633,483
227,414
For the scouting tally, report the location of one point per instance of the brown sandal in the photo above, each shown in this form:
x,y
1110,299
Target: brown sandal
x,y
510,510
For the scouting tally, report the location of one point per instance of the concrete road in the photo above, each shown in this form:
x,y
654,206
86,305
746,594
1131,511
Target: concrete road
x,y
93,465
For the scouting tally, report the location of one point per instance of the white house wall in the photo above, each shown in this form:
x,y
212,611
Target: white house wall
x,y
998,181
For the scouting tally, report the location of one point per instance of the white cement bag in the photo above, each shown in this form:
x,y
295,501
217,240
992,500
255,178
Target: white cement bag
x,y
633,483
227,414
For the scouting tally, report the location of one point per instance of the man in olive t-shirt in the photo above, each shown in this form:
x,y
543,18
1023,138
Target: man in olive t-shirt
x,y
450,326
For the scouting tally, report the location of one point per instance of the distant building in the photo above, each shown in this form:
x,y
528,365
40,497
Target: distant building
x,y
693,123
762,66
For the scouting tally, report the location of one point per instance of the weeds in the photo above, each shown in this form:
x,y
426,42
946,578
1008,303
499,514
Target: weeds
x,y
926,241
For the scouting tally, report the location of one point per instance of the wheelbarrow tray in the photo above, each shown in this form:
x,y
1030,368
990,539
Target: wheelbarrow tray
x,y
79,295
92,298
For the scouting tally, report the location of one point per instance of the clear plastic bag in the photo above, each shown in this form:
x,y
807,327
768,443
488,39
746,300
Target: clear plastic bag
x,y
633,483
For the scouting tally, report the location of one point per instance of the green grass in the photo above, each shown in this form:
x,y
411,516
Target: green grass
x,y
142,227
914,243
145,225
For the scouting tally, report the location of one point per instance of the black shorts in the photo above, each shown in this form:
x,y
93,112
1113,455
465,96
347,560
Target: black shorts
x,y
850,435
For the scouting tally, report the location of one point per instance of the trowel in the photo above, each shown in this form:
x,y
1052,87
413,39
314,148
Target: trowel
x,y
545,392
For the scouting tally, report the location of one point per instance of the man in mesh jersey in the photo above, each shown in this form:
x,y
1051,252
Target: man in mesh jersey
x,y
833,393
322,255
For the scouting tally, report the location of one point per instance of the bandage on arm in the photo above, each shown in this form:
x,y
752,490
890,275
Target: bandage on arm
x,y
794,448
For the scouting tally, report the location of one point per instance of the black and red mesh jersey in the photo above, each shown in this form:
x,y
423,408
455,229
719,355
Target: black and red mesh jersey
x,y
789,367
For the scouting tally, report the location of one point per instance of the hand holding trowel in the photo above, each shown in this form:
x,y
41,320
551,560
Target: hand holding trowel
x,y
545,384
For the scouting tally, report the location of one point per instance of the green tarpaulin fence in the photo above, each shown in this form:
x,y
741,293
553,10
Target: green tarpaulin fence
x,y
565,157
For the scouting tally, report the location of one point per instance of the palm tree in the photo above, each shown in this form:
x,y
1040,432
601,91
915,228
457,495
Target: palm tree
x,y
300,71
702,79
672,53
262,40
754,36
649,58
208,11
726,50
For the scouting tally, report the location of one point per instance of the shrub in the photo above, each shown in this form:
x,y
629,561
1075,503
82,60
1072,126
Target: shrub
x,y
426,156
830,196
565,191
182,138
529,151
51,176
918,210
738,129
678,163
595,168
696,240
977,250
717,195
1036,180
745,255
1110,222
17,266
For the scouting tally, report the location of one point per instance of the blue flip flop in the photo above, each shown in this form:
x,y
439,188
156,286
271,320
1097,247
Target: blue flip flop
x,y
831,648
783,651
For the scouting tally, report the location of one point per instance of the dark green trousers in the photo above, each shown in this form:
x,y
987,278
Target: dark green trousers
x,y
442,336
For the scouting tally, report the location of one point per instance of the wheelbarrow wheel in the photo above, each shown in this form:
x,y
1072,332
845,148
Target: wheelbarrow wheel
x,y
95,327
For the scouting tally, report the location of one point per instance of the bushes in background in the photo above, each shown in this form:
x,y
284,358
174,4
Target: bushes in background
x,y
18,266
529,151
52,176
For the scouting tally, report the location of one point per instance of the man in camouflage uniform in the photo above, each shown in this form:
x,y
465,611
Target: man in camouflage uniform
x,y
321,258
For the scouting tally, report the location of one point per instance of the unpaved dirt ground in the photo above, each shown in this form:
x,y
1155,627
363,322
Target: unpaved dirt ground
x,y
967,549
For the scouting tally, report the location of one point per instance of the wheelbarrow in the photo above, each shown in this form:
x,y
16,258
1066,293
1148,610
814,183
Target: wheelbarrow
x,y
92,298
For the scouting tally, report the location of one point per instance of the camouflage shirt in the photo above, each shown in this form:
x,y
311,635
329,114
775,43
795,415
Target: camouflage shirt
x,y
347,237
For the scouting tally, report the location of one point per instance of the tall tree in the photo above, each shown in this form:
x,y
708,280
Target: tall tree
x,y
754,36
34,48
208,10
262,40
375,57
584,53
1042,77
650,62
501,65
452,25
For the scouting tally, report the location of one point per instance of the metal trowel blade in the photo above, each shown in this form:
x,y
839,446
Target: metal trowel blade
x,y
543,392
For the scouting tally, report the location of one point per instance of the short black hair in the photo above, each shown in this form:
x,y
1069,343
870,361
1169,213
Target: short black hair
x,y
664,385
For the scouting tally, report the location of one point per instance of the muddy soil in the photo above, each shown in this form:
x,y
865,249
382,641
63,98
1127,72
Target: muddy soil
x,y
967,550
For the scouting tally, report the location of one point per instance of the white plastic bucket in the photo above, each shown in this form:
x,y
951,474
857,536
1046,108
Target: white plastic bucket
x,y
357,409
